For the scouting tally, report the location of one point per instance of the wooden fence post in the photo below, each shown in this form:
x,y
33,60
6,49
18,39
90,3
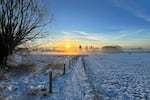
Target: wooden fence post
x,y
50,82
69,64
64,69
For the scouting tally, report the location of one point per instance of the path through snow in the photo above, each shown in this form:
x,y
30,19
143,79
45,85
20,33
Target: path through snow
x,y
76,85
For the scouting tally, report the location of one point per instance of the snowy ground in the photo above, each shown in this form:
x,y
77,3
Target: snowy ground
x,y
120,76
73,85
104,76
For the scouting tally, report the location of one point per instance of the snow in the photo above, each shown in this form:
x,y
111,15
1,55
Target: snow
x,y
71,86
103,76
120,76
77,86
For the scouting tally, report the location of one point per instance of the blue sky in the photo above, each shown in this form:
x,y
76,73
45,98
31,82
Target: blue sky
x,y
101,22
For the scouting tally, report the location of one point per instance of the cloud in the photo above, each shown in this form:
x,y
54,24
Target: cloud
x,y
91,36
107,38
66,33
122,36
143,16
119,37
81,33
75,33
100,37
84,36
133,8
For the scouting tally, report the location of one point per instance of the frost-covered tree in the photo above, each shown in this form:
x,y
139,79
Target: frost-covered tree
x,y
20,21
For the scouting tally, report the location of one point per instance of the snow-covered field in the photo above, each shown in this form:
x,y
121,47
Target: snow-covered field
x,y
104,76
120,76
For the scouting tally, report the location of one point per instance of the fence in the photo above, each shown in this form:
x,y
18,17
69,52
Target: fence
x,y
90,78
71,62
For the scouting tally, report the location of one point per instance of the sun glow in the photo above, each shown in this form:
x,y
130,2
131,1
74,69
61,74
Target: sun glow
x,y
68,46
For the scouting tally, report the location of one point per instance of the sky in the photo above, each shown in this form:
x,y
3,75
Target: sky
x,y
99,23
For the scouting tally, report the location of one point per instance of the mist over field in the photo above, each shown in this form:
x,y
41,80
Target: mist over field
x,y
74,50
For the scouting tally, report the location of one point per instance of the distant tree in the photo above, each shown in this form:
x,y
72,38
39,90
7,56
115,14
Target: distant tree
x,y
86,47
91,47
80,47
20,21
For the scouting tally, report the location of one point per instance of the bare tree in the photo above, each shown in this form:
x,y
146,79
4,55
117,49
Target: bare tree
x,y
20,21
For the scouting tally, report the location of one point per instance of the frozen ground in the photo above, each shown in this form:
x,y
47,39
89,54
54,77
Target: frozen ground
x,y
104,76
120,76
73,85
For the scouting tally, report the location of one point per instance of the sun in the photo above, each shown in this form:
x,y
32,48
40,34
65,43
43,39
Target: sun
x,y
68,46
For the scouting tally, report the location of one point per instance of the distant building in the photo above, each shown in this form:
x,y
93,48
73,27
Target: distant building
x,y
111,49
